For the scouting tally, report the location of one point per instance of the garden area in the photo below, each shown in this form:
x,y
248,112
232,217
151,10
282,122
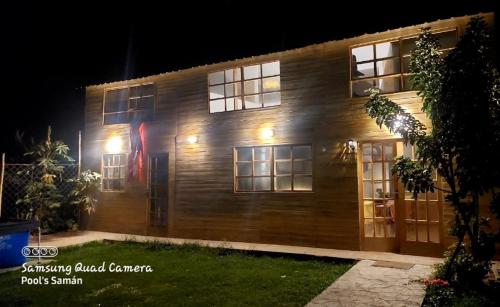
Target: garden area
x,y
185,275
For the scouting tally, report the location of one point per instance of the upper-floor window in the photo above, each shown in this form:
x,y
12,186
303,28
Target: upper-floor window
x,y
125,105
385,65
248,87
273,168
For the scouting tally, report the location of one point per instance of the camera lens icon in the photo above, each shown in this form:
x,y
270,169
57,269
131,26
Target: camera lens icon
x,y
42,251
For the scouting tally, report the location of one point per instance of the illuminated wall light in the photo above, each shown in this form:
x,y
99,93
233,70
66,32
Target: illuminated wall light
x,y
352,144
114,145
192,139
267,133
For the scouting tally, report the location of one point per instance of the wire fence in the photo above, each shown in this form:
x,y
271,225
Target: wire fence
x,y
16,178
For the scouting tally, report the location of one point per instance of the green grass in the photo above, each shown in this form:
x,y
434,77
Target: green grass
x,y
186,275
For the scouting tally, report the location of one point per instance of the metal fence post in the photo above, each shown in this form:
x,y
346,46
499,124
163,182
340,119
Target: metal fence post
x,y
79,153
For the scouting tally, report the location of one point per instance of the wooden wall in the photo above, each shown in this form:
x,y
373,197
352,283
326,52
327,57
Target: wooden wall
x,y
316,109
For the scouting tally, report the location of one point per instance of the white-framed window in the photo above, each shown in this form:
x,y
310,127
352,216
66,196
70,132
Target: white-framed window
x,y
385,65
280,168
128,104
114,172
247,87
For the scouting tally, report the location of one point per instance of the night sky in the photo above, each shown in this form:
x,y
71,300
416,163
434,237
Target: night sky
x,y
50,52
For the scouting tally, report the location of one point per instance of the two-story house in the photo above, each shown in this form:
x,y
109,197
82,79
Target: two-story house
x,y
275,148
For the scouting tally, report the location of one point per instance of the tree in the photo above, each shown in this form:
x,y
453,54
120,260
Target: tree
x,y
42,196
461,97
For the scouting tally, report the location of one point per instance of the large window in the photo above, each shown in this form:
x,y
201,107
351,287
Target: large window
x,y
114,167
273,168
249,87
126,105
385,65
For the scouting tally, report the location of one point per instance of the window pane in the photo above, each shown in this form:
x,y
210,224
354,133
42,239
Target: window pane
x,y
283,183
244,184
302,167
377,152
368,208
148,90
244,154
230,90
408,45
233,75
116,101
367,171
146,103
367,152
408,151
282,152
216,78
262,153
389,85
361,54
388,170
217,92
363,70
387,67
283,167
251,72
433,211
252,102
238,103
379,192
434,233
272,99
217,106
367,189
447,39
368,228
388,49
359,87
302,152
262,168
244,169
271,84
229,104
302,183
377,171
262,183
422,232
135,91
252,87
411,233
388,152
271,69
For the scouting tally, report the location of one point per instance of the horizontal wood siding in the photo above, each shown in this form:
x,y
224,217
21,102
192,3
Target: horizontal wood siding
x,y
315,109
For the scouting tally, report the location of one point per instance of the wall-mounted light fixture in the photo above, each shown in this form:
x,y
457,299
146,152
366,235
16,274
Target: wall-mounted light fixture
x,y
114,145
352,145
192,139
267,133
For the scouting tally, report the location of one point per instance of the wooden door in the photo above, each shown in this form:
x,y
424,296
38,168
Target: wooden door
x,y
158,194
421,221
378,196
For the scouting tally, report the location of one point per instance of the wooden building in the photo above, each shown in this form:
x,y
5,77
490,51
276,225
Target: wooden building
x,y
275,148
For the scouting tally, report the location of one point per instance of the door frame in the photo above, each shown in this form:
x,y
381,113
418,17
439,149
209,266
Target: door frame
x,y
157,230
374,243
399,244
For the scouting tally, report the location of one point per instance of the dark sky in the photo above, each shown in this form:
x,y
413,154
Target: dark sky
x,y
50,51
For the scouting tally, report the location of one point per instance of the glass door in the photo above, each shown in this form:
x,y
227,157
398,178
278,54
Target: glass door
x,y
422,224
378,196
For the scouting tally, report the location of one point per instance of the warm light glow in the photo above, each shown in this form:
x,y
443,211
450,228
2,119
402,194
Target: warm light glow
x,y
267,133
192,139
397,123
271,84
114,145
352,144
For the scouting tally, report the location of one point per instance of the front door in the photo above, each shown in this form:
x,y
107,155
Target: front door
x,y
158,193
390,218
378,197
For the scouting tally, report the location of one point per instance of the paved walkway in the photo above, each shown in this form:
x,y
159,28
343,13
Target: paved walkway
x,y
81,237
367,285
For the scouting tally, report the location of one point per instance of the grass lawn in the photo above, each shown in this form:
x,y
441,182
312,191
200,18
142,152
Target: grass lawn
x,y
186,275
